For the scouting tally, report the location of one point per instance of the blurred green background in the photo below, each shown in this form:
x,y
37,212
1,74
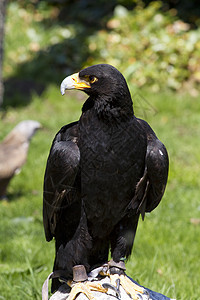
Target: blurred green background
x,y
156,45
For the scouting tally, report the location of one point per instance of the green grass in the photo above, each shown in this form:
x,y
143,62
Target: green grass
x,y
166,250
167,247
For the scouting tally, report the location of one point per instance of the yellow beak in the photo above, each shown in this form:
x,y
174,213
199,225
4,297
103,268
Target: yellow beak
x,y
73,82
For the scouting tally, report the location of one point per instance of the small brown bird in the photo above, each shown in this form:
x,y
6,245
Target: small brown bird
x,y
14,150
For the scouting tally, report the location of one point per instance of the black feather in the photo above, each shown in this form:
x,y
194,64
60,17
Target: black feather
x,y
102,173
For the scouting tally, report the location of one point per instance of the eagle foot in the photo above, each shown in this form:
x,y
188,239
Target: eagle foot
x,y
118,277
80,284
86,288
135,291
132,289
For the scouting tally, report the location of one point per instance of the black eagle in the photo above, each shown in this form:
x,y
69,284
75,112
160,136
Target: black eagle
x,y
102,172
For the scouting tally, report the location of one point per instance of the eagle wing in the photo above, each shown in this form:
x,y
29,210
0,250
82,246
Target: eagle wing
x,y
151,187
60,181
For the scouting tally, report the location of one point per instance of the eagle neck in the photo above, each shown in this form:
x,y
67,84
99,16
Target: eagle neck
x,y
109,109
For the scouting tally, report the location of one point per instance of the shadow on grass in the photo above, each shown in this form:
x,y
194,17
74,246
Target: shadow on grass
x,y
59,60
14,196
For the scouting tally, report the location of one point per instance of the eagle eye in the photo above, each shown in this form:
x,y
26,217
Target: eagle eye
x,y
93,79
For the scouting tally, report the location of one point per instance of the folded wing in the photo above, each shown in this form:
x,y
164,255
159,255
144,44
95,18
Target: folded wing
x,y
61,185
151,187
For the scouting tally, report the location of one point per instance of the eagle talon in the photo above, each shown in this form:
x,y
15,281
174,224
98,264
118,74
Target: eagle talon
x,y
118,284
146,293
145,296
114,288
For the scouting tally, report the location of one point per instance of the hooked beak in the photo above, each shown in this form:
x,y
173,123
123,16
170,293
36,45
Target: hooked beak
x,y
73,82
